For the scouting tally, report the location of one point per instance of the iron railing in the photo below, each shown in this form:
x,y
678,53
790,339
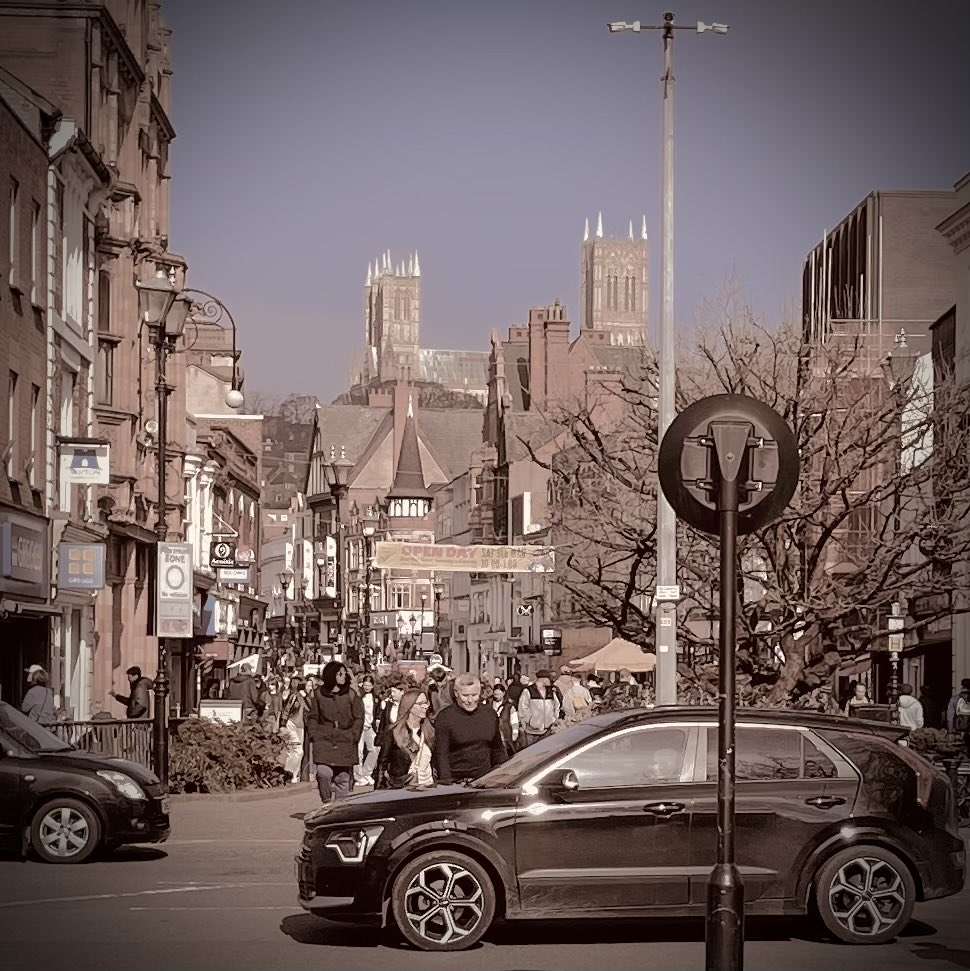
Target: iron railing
x,y
129,738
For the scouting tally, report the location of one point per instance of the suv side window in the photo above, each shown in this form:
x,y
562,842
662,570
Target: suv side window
x,y
638,757
762,754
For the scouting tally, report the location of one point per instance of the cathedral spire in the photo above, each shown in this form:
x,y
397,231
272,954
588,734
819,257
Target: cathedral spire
x,y
417,265
368,274
631,229
411,265
586,230
643,229
599,225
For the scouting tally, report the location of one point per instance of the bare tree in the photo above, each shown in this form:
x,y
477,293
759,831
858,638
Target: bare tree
x,y
880,515
263,402
298,408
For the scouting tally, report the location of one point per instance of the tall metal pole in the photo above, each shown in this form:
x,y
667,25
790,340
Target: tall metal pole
x,y
725,890
666,612
160,722
366,605
339,602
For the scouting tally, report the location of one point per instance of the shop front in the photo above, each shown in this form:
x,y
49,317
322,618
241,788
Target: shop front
x,y
25,608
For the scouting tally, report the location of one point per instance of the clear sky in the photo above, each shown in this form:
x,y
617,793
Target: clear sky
x,y
313,134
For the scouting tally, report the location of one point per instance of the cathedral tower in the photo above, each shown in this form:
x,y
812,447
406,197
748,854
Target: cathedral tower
x,y
613,284
392,319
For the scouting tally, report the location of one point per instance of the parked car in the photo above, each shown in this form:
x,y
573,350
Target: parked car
x,y
616,817
65,804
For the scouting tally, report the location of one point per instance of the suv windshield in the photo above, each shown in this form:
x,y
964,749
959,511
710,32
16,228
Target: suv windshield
x,y
29,733
529,759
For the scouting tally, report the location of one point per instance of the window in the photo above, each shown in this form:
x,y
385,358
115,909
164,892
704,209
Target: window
x,y
36,433
11,420
68,380
769,754
630,293
35,253
104,301
57,249
400,596
638,757
12,232
105,373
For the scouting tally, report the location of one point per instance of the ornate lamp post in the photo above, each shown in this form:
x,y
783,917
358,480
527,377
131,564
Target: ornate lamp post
x,y
338,473
285,578
211,309
165,322
439,589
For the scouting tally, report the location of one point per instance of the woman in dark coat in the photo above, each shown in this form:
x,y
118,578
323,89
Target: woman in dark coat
x,y
334,723
406,756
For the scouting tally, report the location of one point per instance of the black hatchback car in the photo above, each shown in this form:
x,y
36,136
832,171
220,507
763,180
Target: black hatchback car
x,y
64,804
616,817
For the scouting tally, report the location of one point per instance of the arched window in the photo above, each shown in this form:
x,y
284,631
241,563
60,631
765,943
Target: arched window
x,y
397,303
629,293
407,305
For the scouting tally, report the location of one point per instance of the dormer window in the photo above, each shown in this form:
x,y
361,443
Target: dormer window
x,y
407,508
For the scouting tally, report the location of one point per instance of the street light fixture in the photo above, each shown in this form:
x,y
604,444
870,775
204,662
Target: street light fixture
x,y
211,310
338,473
439,590
666,609
368,530
164,316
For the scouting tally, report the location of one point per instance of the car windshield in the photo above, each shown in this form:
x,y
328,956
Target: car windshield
x,y
29,733
530,759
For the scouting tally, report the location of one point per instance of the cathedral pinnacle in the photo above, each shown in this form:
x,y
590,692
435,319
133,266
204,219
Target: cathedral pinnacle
x,y
368,274
631,229
599,226
643,229
411,265
586,230
417,265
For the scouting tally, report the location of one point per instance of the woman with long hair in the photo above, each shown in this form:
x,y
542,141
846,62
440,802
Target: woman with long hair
x,y
407,752
293,709
334,723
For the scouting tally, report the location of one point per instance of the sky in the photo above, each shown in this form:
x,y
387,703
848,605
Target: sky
x,y
312,135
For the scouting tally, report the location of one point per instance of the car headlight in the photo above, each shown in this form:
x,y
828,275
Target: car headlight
x,y
123,783
353,845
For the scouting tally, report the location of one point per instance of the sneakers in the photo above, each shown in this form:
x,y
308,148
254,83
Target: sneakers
x,y
367,780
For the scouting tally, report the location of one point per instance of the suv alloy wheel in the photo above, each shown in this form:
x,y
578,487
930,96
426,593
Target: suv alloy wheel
x,y
443,901
865,895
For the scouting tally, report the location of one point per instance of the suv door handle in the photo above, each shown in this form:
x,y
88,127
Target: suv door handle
x,y
825,802
664,809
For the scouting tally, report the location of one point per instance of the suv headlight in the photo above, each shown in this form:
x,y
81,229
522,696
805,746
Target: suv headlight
x,y
353,845
123,783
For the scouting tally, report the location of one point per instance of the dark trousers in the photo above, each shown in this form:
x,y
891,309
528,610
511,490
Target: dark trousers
x,y
334,781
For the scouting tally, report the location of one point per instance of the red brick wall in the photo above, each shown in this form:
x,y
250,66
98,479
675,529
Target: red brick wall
x,y
22,334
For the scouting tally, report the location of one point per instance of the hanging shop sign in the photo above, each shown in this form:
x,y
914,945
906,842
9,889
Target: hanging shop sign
x,y
222,553
84,463
80,566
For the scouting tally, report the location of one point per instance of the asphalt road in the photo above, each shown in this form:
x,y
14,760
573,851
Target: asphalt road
x,y
221,894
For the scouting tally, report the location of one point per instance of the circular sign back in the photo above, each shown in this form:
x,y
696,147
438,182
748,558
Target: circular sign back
x,y
689,467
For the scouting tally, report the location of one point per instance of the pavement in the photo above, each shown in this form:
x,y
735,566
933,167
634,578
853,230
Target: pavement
x,y
221,894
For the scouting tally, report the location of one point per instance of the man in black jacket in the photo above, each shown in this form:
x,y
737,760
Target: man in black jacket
x,y
137,702
468,742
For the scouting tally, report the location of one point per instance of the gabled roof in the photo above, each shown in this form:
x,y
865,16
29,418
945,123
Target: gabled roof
x,y
409,475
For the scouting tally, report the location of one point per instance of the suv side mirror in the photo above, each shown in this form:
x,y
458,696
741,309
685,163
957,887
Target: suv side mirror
x,y
559,782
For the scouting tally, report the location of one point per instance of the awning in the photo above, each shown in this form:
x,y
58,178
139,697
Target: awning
x,y
616,656
251,661
25,607
217,650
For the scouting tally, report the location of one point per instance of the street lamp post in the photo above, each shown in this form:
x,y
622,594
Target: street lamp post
x,y
439,589
285,578
368,566
339,472
156,306
211,309
666,609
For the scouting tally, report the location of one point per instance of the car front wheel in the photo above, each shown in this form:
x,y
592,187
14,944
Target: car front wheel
x,y
865,895
443,901
65,831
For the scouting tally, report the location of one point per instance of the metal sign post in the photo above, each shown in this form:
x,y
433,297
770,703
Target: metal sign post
x,y
728,465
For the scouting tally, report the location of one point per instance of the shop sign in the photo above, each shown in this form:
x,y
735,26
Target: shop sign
x,y
222,553
80,566
174,593
84,463
23,553
233,574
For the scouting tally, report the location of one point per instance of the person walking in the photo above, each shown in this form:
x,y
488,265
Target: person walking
x,y
406,758
389,710
958,709
243,687
334,723
440,688
273,704
910,710
38,702
292,724
508,720
367,746
137,701
540,707
468,740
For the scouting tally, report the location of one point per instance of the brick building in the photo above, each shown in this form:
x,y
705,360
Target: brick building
x,y
24,524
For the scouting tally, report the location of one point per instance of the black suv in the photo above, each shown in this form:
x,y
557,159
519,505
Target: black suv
x,y
616,817
65,804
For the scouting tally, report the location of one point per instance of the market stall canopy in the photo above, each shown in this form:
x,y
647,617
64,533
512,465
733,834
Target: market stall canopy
x,y
615,656
249,663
